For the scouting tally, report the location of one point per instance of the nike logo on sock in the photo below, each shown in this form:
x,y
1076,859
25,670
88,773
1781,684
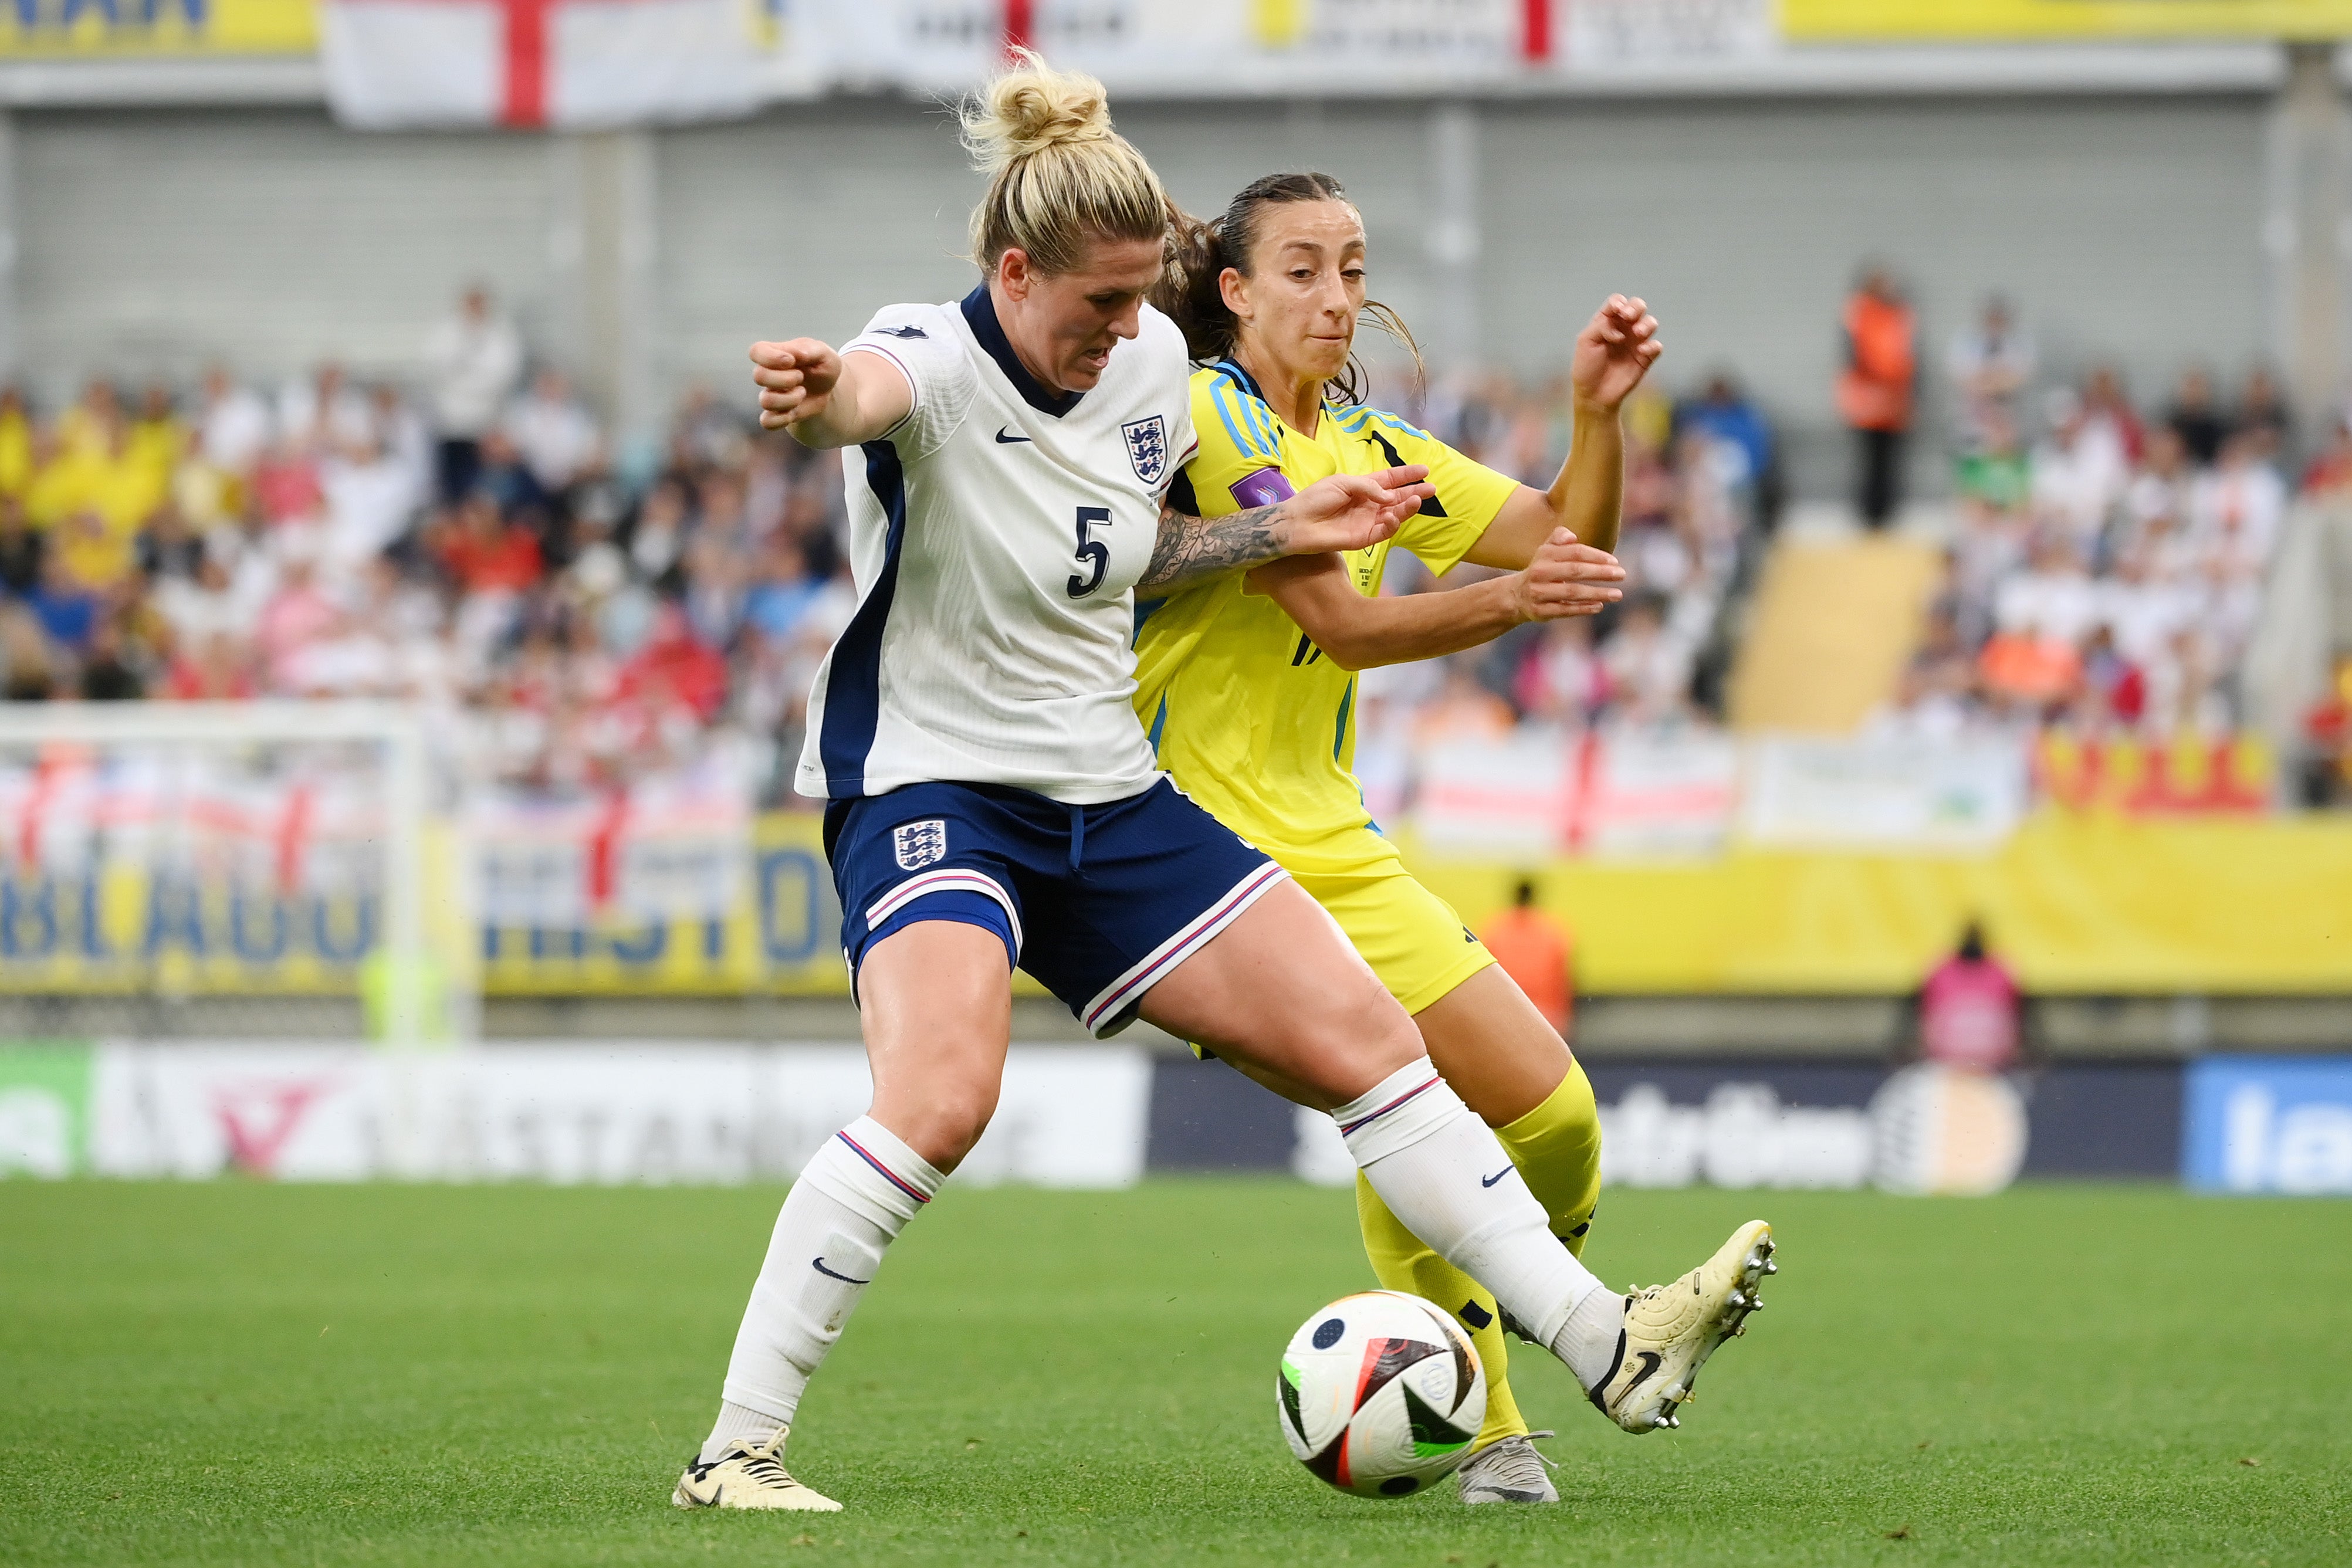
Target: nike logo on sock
x,y
819,1264
1489,1181
1005,440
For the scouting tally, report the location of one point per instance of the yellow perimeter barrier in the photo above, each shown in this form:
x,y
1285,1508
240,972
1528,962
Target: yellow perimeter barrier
x,y
2088,902
2078,901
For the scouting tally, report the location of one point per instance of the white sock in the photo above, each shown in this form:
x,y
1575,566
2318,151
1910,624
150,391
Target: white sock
x,y
738,1424
1592,1341
850,1203
1442,1171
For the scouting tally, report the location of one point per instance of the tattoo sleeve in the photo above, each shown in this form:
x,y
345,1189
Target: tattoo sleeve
x,y
1193,547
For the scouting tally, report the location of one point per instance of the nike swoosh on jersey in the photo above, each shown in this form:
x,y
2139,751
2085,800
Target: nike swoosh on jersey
x,y
1005,440
1489,1181
819,1264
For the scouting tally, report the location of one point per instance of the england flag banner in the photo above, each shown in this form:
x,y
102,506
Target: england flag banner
x,y
555,64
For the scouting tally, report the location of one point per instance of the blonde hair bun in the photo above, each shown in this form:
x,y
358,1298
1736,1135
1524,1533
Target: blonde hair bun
x,y
1059,177
1031,108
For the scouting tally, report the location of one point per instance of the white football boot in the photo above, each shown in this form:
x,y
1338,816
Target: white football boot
x,y
749,1474
1671,1329
1509,1470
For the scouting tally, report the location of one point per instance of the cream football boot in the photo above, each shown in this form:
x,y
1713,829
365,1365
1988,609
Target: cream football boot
x,y
749,1475
1671,1329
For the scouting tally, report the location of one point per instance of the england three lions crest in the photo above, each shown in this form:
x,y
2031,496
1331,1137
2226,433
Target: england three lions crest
x,y
1147,447
918,844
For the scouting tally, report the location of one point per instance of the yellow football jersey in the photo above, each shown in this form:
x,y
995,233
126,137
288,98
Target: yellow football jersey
x,y
1246,714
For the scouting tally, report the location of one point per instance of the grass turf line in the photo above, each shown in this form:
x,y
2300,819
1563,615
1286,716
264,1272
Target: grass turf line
x,y
242,1374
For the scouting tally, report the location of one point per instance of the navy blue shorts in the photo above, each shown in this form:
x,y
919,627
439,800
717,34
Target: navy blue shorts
x,y
1098,903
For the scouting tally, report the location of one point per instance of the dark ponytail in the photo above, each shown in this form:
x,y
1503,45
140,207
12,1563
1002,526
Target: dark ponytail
x,y
1191,294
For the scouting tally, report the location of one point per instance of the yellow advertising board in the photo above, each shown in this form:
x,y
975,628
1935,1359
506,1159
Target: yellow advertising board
x,y
2091,903
2092,900
1889,21
117,29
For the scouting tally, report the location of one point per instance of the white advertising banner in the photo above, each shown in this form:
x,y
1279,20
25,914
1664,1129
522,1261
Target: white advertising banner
x,y
577,1114
1966,795
1630,794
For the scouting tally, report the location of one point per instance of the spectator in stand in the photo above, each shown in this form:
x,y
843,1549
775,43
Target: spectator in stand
x,y
1537,951
2263,422
16,443
232,426
1992,365
2159,492
324,412
1648,666
475,357
20,549
1727,417
1463,709
2077,479
485,553
1874,390
554,432
212,668
30,662
2330,472
2196,419
107,673
1970,1014
298,615
370,501
1561,681
2109,417
63,607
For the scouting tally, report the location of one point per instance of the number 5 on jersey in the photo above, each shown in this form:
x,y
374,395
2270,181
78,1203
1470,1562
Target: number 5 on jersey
x,y
1092,552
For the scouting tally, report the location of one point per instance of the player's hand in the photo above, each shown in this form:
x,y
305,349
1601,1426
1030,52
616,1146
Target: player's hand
x,y
1350,511
796,378
1613,352
1566,579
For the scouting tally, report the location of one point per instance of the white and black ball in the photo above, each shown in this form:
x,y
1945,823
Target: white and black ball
x,y
1380,1393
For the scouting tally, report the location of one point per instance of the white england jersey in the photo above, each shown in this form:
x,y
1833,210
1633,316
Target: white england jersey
x,y
995,536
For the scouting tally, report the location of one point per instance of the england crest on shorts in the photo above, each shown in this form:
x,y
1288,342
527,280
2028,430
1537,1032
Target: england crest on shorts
x,y
919,844
1147,447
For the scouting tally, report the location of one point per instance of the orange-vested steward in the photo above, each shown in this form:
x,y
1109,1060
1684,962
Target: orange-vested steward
x,y
1874,392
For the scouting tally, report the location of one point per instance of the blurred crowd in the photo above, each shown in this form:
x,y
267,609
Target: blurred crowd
x,y
2108,559
1702,486
574,616
569,616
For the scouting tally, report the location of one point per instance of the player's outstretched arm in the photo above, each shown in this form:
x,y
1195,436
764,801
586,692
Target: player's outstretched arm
x,y
1613,354
1357,633
1345,512
826,399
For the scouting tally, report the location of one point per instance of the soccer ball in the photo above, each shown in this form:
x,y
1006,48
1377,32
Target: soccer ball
x,y
1380,1393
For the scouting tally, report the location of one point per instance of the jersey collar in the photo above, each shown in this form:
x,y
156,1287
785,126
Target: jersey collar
x,y
979,311
1241,377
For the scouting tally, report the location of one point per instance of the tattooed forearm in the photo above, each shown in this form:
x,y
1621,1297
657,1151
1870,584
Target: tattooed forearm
x,y
1193,547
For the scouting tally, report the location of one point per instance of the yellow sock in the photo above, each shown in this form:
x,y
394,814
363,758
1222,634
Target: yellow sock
x,y
1401,1262
1557,1148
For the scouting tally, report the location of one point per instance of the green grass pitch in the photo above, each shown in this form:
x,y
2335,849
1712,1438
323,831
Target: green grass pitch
x,y
241,1374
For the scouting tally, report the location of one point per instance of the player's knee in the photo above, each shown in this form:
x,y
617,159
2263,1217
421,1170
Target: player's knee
x,y
1365,1031
947,1119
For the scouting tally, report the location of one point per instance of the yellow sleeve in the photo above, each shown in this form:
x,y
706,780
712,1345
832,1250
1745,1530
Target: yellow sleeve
x,y
1239,438
1469,494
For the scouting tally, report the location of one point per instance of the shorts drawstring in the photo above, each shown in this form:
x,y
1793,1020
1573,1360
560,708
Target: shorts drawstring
x,y
1078,836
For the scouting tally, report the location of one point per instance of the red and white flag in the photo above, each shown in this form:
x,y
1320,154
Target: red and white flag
x,y
566,64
